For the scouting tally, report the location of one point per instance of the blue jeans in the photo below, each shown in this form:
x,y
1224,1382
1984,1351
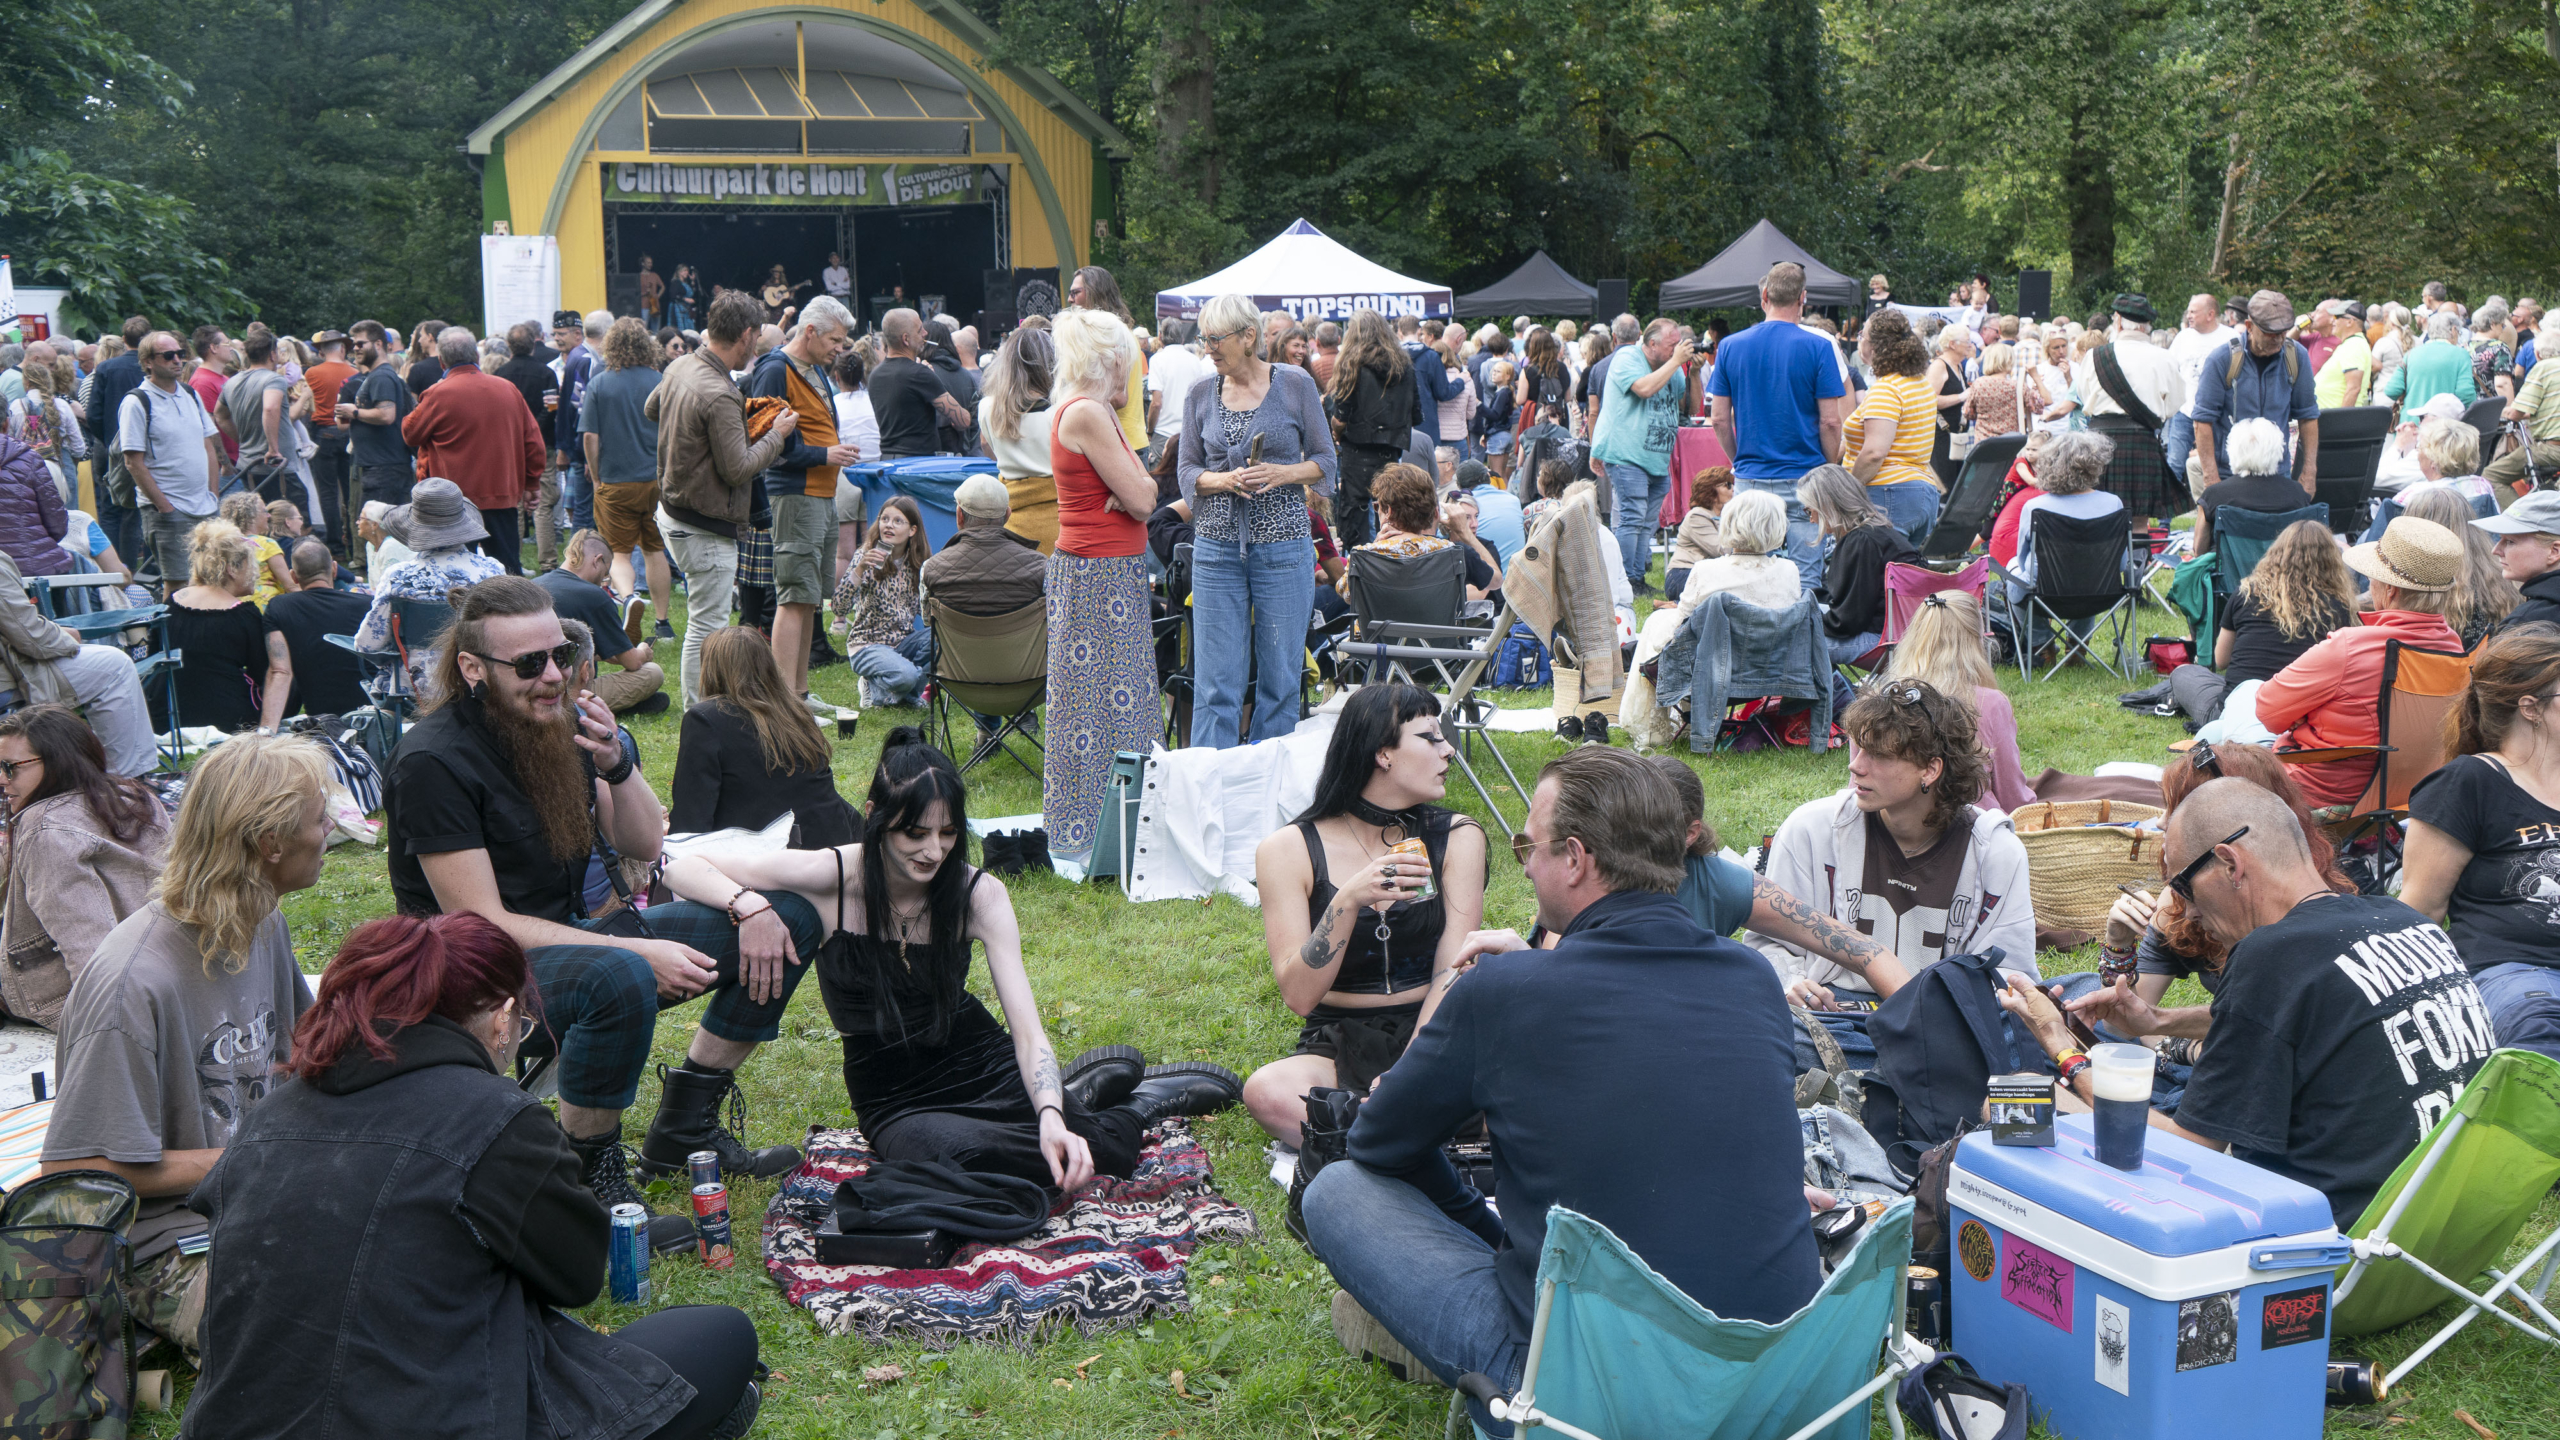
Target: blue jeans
x,y
1640,495
2524,1005
580,495
1912,506
897,672
1270,589
1804,537
1419,1273
2178,441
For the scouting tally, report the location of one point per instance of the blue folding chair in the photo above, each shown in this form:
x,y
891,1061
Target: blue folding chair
x,y
1617,1352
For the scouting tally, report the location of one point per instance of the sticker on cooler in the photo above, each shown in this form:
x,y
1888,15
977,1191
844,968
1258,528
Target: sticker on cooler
x,y
2115,1345
2295,1317
2036,1280
2209,1330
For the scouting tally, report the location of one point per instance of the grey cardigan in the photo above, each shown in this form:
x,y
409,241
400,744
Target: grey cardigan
x,y
1291,419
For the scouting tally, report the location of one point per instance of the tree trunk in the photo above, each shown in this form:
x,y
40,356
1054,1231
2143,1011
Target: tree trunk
x,y
1186,115
2230,193
2089,199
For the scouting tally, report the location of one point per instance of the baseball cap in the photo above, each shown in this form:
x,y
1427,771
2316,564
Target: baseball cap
x,y
983,496
2535,514
2270,311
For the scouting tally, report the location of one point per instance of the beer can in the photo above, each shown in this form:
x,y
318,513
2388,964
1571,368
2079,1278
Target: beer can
x,y
711,1225
705,1166
1925,1305
2357,1382
1416,849
627,1268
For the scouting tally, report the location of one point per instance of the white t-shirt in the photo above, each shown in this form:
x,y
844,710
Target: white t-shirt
x,y
1025,455
1176,369
2190,350
838,280
856,425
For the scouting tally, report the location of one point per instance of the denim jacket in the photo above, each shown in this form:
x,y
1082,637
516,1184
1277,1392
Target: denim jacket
x,y
1729,650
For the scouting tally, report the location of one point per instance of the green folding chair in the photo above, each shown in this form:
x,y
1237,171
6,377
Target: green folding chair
x,y
2455,1205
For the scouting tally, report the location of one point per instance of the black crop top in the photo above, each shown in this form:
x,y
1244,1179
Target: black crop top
x,y
1403,960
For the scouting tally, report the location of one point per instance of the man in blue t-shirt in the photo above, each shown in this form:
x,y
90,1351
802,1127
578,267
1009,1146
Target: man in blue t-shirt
x,y
1779,406
1639,419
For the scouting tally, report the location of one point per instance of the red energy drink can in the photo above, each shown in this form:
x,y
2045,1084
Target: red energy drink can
x,y
711,1225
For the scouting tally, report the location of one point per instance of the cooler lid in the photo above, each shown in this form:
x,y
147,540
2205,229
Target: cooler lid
x,y
2184,1200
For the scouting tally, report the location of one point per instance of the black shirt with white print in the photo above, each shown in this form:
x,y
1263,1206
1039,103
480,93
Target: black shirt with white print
x,y
2505,907
2341,1035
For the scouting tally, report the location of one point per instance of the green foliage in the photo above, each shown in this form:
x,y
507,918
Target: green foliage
x,y
119,248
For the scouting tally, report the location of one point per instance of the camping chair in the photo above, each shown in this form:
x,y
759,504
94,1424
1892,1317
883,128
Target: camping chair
x,y
1973,502
1616,1352
1739,651
2351,441
2419,689
1410,601
1173,648
2081,574
2241,538
415,624
996,667
2454,1206
2486,416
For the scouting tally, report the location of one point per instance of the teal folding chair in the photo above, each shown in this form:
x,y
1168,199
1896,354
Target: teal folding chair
x,y
1617,1352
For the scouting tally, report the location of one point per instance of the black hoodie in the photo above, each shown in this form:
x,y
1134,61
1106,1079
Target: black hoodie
x,y
2541,602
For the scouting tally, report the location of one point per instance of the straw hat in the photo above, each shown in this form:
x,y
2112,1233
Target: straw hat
x,y
438,517
2413,554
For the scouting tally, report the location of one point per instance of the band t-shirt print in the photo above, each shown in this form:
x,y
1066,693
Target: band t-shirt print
x,y
1904,900
2506,904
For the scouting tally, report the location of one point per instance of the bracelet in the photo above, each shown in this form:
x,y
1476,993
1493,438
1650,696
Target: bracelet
x,y
732,907
1062,1114
619,773
2070,1063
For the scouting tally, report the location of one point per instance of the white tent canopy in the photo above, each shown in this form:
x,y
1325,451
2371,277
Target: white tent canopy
x,y
1310,276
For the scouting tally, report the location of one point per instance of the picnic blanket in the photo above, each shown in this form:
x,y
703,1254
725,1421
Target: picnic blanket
x,y
22,1142
1113,1253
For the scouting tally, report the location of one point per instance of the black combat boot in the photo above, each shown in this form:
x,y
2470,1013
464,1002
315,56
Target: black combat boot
x,y
689,1119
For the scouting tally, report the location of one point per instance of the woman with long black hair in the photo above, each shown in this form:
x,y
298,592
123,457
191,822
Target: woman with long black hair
x,y
1372,398
1363,934
931,1074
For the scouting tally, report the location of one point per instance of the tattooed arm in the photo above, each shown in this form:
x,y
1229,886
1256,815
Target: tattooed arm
x,y
992,923
1306,956
1784,917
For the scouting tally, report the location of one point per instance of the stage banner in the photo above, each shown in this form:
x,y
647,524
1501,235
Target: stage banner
x,y
519,280
796,182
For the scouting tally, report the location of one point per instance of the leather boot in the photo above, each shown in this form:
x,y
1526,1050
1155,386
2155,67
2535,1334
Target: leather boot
x,y
689,1119
1103,1077
1324,1138
1185,1087
607,1168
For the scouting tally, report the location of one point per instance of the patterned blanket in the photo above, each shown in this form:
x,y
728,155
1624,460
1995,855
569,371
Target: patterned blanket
x,y
1110,1256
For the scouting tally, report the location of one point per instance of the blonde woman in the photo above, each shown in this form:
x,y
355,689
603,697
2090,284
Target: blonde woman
x,y
1013,419
1102,667
1944,648
175,1028
226,642
1995,406
2299,595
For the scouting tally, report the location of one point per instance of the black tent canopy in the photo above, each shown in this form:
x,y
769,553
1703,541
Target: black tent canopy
x,y
1539,287
1733,278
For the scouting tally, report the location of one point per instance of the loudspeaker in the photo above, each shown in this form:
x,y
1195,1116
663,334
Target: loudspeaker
x,y
2035,294
1611,302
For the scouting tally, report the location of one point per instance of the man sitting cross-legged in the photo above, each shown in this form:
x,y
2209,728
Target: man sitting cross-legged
x,y
2344,1026
497,799
1640,1072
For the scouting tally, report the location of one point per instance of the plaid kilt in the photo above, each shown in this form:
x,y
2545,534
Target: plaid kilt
x,y
755,556
2138,472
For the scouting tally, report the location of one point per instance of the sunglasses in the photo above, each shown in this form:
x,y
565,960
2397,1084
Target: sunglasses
x,y
9,768
531,664
1522,845
2184,882
168,354
2203,758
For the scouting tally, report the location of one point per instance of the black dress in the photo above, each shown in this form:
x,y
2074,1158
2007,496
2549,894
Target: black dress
x,y
958,1099
225,659
1945,464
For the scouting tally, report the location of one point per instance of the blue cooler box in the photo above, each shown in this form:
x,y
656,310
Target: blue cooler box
x,y
2188,1298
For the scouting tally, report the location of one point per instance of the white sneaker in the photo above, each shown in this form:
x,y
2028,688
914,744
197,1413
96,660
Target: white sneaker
x,y
823,709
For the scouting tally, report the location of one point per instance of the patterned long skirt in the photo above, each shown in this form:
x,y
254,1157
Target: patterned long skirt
x,y
1102,688
2138,472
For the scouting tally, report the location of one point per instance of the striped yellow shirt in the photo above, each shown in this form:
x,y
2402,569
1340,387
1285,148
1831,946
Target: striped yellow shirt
x,y
1912,406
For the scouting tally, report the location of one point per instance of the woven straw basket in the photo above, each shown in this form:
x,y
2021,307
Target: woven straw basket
x,y
2076,857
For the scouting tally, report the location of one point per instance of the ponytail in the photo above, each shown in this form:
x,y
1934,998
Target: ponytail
x,y
393,973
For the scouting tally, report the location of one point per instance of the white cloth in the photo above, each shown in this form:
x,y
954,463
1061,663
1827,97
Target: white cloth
x,y
1025,455
2149,370
1175,369
2189,350
1204,811
838,280
1820,856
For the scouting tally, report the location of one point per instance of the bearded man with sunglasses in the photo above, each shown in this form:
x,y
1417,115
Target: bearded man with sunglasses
x,y
501,799
2344,1027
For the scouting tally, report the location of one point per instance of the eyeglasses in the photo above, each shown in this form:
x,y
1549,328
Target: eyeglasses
x,y
2203,758
1208,339
1522,845
530,665
9,768
525,1026
2184,882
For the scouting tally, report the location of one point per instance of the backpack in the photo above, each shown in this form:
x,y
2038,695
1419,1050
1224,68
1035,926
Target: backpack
x,y
1521,663
1948,1400
66,1338
1494,412
2292,362
1939,1040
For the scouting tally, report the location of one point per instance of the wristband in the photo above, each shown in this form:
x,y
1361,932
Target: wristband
x,y
2070,1063
732,907
618,773
1062,1114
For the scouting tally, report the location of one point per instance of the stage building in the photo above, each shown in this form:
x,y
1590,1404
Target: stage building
x,y
735,135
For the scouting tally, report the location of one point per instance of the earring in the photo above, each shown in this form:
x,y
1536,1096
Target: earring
x,y
1924,787
1387,765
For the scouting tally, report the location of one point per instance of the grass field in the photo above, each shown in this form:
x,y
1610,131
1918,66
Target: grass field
x,y
1189,980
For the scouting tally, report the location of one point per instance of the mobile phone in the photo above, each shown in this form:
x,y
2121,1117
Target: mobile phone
x,y
1253,452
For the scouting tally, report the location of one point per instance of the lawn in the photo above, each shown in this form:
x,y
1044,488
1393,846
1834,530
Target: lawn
x,y
1190,980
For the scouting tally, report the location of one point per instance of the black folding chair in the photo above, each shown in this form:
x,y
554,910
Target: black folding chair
x,y
2351,441
2083,572
415,625
1174,667
1973,503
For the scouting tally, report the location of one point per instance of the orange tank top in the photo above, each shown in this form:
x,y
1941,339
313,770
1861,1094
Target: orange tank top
x,y
1085,528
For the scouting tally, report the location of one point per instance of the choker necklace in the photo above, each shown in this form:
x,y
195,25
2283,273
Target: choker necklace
x,y
1407,821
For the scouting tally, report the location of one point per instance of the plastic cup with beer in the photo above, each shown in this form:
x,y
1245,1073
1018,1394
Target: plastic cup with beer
x,y
2120,1075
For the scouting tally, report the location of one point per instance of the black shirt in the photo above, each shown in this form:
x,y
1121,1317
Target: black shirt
x,y
532,380
2341,1034
2259,650
225,661
2506,904
2272,494
902,395
576,599
326,679
423,374
452,789
1853,583
381,444
723,782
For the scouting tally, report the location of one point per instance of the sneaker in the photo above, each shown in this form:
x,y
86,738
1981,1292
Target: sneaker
x,y
1364,1338
1569,729
635,615
1595,728
664,631
655,705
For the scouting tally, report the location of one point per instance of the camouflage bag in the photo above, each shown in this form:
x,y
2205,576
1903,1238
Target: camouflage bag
x,y
66,1339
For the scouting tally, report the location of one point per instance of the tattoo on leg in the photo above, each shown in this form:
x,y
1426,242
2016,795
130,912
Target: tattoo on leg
x,y
1318,952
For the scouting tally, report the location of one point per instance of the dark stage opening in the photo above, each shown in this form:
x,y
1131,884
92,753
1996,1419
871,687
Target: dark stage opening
x,y
941,250
729,247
